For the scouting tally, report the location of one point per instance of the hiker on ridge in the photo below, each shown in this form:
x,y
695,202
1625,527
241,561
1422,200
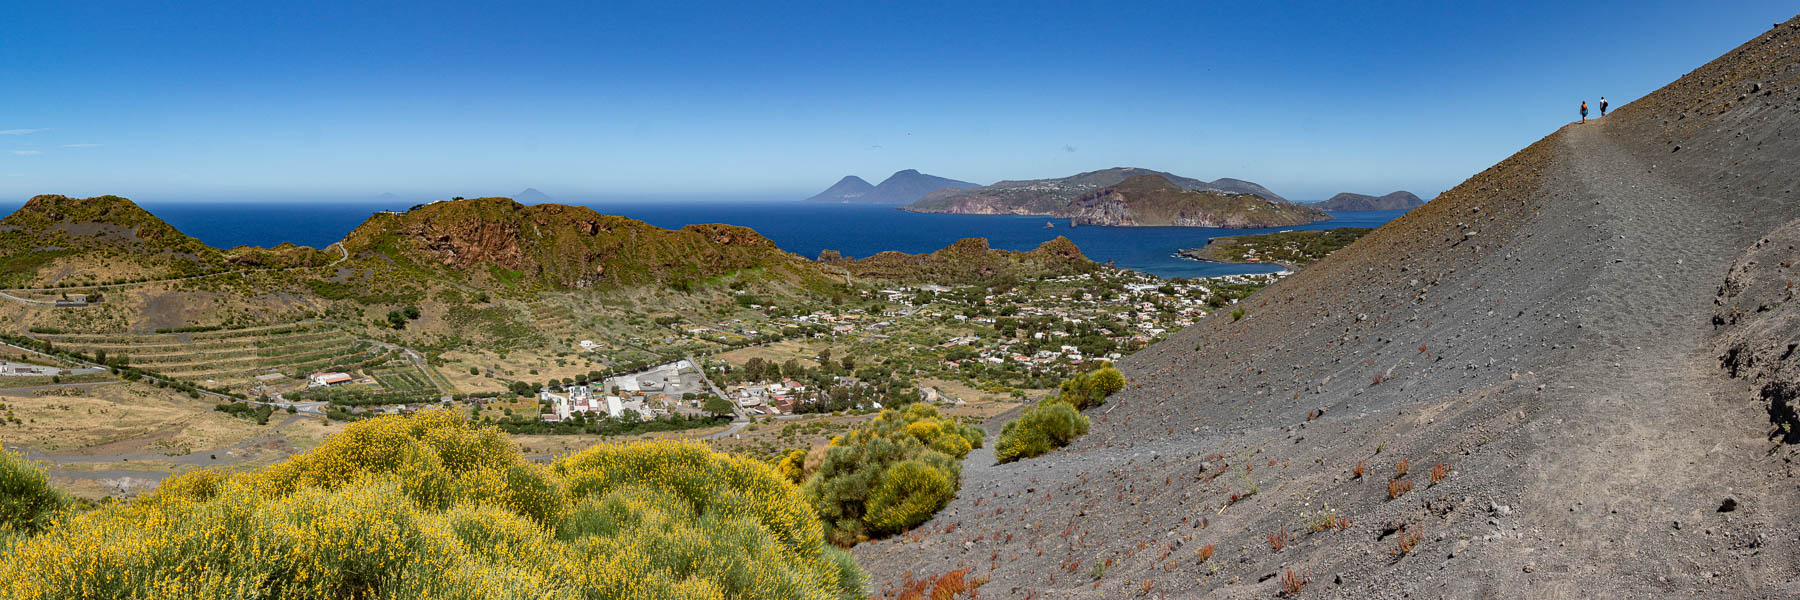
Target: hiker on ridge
x,y
1584,111
1603,106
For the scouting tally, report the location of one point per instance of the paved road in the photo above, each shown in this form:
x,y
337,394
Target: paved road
x,y
26,300
742,419
129,478
26,391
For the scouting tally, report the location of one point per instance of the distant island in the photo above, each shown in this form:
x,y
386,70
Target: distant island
x,y
849,189
1127,197
1401,200
902,187
532,196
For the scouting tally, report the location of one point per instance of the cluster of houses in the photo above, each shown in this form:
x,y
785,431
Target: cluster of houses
x,y
1138,307
582,399
653,393
767,398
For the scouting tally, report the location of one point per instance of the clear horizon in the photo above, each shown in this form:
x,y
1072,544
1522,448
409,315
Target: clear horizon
x,y
682,102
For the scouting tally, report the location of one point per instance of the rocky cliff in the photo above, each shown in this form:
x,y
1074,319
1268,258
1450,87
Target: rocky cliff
x,y
1152,200
1054,197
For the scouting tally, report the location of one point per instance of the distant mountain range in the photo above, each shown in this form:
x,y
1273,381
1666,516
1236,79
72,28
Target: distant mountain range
x,y
1401,200
903,187
1057,198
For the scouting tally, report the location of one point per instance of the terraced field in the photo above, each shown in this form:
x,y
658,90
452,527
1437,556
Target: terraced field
x,y
552,317
398,376
231,358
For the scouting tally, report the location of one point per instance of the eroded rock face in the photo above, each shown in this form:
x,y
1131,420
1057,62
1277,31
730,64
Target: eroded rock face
x,y
1151,201
1106,207
466,243
1758,327
732,235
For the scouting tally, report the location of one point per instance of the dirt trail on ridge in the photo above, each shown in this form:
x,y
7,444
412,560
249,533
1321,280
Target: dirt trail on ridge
x,y
1545,331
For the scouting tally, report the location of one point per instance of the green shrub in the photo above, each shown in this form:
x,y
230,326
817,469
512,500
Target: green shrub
x,y
1090,389
1052,424
432,506
861,491
908,494
27,500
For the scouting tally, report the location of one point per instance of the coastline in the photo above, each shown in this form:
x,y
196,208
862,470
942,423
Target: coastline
x,y
1195,256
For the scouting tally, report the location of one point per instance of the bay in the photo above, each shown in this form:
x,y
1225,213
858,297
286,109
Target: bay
x,y
801,228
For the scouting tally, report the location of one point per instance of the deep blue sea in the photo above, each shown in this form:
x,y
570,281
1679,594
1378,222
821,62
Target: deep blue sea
x,y
800,228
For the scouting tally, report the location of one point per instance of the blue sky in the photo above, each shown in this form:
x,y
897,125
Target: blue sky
x,y
257,101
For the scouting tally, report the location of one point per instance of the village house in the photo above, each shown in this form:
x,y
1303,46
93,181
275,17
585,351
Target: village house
x,y
329,379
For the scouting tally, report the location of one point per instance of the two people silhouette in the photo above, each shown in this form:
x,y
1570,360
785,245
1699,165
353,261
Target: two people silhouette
x,y
1584,108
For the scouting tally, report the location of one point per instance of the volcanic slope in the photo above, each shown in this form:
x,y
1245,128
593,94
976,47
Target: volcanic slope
x,y
1542,330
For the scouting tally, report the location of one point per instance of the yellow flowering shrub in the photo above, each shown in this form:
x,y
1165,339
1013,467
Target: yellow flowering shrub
x,y
433,507
1049,425
27,501
1090,389
792,465
908,494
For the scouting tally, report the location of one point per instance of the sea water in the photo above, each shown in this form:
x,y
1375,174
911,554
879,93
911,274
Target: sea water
x,y
801,228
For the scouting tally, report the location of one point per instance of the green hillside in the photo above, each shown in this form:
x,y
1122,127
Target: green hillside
x,y
970,260
496,242
61,241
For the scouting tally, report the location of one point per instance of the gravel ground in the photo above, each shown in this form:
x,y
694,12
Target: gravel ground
x,y
1545,330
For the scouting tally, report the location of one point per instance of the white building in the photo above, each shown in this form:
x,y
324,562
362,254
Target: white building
x,y
329,379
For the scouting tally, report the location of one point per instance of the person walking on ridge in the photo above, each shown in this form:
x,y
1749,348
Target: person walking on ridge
x,y
1603,106
1583,111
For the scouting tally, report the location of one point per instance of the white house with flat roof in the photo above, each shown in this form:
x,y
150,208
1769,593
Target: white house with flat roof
x,y
330,379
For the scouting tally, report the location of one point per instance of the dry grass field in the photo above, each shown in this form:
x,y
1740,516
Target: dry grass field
x,y
119,418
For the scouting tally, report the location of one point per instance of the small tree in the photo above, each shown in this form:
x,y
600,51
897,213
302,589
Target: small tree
x,y
717,406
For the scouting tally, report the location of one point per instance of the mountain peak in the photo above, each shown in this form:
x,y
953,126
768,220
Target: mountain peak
x,y
531,195
86,216
108,223
848,189
1146,181
909,185
903,187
